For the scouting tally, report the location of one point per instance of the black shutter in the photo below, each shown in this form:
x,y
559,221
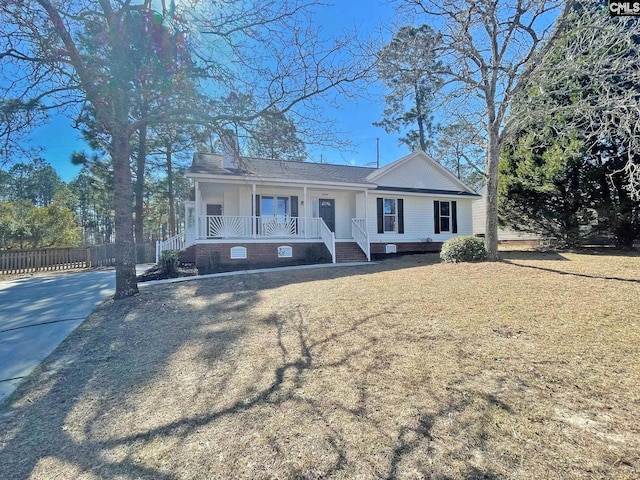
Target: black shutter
x,y
436,216
454,217
400,215
380,216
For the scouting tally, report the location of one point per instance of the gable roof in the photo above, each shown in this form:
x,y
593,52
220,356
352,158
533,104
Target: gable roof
x,y
260,168
263,169
423,179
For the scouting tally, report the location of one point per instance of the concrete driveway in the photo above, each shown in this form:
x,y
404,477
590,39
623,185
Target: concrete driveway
x,y
39,312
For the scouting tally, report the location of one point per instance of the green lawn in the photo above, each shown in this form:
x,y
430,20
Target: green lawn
x,y
524,369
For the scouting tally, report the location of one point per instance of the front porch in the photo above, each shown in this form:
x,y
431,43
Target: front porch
x,y
242,213
225,230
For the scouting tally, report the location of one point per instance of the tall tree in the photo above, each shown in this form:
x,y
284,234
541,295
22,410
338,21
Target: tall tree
x,y
459,149
275,137
23,225
82,50
93,190
18,117
35,181
170,148
489,50
592,75
407,66
563,171
545,186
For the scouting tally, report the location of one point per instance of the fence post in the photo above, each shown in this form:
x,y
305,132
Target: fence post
x,y
88,257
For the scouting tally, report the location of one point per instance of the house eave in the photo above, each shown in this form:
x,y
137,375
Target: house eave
x,y
248,179
431,192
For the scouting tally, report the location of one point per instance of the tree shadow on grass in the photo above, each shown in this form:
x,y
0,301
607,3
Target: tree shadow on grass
x,y
532,255
572,274
114,354
80,412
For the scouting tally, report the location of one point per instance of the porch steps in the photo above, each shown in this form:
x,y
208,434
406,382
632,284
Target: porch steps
x,y
349,252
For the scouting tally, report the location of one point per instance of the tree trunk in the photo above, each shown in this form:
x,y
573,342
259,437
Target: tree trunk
x,y
139,193
491,227
172,206
421,136
126,281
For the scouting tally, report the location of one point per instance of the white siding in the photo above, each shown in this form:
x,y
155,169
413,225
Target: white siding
x,y
479,215
230,205
418,173
418,220
245,201
360,206
479,222
345,211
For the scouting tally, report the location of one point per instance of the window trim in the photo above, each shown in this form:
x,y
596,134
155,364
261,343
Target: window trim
x,y
449,216
275,198
394,215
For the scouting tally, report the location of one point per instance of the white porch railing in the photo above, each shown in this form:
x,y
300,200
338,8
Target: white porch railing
x,y
173,243
213,226
329,239
360,235
219,226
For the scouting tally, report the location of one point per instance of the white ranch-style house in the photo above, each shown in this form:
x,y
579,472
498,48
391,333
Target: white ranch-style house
x,y
254,212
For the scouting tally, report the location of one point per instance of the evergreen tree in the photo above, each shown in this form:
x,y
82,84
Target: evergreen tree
x,y
275,137
580,150
407,67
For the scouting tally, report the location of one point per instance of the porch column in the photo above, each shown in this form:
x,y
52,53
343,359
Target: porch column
x,y
366,210
197,200
366,223
304,213
254,218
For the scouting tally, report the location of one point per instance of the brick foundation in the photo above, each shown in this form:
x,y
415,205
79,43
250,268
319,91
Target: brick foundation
x,y
406,247
258,254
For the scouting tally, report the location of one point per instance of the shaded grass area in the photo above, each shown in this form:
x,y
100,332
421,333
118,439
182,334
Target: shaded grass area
x,y
526,369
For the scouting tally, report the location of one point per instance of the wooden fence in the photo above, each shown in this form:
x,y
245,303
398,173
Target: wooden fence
x,y
51,259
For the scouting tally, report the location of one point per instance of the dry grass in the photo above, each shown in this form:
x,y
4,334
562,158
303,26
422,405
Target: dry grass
x,y
525,369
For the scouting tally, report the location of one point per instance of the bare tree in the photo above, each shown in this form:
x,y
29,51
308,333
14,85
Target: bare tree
x,y
460,150
489,49
268,47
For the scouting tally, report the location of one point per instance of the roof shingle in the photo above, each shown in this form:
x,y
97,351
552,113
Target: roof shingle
x,y
263,168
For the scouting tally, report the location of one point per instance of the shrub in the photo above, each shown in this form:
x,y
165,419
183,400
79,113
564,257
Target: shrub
x,y
463,249
169,260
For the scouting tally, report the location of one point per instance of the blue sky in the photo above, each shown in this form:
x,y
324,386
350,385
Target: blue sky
x,y
58,139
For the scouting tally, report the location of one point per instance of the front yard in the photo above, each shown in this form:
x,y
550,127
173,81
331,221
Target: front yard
x,y
524,369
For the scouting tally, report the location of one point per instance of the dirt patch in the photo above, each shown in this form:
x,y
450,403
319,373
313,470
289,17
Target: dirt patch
x,y
185,269
521,369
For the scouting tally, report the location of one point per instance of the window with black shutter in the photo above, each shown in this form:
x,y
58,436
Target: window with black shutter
x,y
445,216
390,215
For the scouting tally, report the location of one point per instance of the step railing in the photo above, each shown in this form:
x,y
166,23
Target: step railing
x,y
173,243
360,235
329,239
